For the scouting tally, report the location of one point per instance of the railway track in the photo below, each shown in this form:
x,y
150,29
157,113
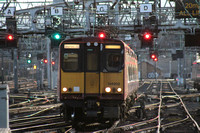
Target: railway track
x,y
37,128
166,112
39,120
35,111
157,109
44,117
181,118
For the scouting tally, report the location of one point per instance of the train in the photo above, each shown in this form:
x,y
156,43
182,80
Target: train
x,y
98,78
196,74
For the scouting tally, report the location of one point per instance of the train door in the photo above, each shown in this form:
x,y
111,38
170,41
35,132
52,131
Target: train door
x,y
92,70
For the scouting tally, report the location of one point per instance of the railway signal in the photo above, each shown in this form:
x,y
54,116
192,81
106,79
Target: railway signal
x,y
10,34
56,39
29,61
10,40
53,62
46,61
34,67
154,55
102,35
10,37
155,59
56,36
146,38
28,58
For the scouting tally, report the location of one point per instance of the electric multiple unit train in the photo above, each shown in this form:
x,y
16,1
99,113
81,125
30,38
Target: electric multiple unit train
x,y
97,77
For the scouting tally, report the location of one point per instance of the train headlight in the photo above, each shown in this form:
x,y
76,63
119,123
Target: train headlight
x,y
119,89
108,89
64,89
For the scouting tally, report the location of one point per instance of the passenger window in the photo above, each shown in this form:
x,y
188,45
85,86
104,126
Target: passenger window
x,y
70,61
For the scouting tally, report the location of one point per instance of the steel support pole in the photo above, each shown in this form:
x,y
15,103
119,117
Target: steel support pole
x,y
156,71
42,76
117,13
15,71
48,42
38,75
87,15
51,69
184,67
2,74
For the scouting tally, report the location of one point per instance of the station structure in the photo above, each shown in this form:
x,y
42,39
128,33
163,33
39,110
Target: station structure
x,y
35,22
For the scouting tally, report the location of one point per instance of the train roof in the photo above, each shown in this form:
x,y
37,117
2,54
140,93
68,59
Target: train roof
x,y
95,39
92,39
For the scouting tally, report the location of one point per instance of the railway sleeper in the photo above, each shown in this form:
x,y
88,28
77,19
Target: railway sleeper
x,y
170,99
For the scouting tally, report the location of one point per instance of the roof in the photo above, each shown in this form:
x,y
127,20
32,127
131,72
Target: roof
x,y
93,39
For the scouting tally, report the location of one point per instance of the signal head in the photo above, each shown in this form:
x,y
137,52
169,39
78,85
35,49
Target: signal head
x,y
153,56
45,61
28,61
10,37
57,36
102,35
34,67
53,62
155,59
147,36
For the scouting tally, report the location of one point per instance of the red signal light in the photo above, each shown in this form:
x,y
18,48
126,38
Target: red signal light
x,y
53,62
155,59
10,37
153,56
147,36
102,35
45,61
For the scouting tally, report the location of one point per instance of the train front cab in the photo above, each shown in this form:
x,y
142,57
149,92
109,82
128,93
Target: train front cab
x,y
92,79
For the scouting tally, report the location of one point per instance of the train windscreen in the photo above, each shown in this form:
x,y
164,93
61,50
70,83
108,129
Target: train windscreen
x,y
70,61
113,58
70,57
114,61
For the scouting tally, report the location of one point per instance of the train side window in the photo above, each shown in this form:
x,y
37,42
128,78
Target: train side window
x,y
70,61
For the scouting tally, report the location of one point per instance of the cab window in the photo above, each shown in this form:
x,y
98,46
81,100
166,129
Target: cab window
x,y
113,61
70,61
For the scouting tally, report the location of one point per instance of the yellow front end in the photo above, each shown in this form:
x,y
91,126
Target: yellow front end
x,y
112,84
72,83
92,83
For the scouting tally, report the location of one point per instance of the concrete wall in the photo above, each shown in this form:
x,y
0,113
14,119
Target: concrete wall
x,y
148,70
